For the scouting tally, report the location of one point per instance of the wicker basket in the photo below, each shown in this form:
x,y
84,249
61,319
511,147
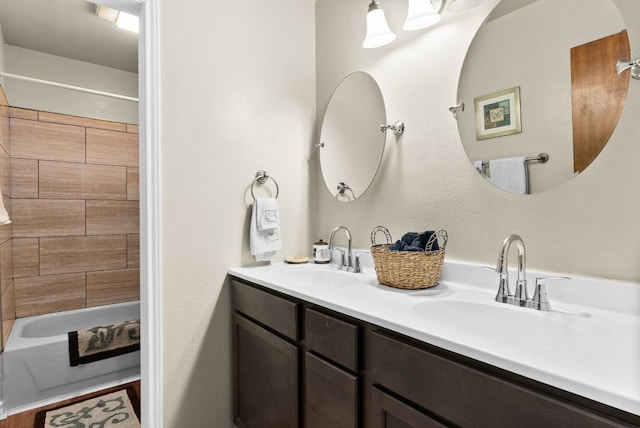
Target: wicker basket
x,y
408,269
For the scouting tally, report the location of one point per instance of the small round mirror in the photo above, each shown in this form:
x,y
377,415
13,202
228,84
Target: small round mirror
x,y
351,143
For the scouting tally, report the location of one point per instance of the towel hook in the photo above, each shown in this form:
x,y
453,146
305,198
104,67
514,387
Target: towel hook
x,y
261,178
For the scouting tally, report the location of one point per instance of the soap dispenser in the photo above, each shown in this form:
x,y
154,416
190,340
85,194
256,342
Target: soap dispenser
x,y
320,252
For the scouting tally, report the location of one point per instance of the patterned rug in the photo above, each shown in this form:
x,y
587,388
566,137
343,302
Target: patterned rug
x,y
98,343
116,409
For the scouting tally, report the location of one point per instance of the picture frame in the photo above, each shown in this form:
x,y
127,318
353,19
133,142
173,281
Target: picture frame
x,y
498,114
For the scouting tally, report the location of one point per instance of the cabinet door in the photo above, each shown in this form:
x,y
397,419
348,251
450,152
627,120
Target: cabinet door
x,y
265,378
387,412
331,395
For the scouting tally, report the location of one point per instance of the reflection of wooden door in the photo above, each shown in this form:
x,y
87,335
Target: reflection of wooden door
x,y
598,95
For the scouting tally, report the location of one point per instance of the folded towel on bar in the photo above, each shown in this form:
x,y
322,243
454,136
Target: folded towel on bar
x,y
413,241
264,229
510,174
100,342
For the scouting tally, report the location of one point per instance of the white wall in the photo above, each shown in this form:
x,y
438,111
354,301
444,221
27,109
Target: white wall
x,y
2,55
587,227
39,65
238,95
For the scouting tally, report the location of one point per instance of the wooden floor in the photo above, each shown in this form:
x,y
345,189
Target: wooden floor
x,y
26,419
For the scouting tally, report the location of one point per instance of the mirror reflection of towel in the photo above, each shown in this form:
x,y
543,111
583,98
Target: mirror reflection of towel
x,y
264,229
510,174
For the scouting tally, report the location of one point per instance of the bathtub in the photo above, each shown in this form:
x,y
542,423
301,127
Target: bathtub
x,y
36,368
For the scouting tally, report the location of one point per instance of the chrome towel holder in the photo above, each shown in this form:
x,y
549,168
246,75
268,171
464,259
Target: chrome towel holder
x,y
261,178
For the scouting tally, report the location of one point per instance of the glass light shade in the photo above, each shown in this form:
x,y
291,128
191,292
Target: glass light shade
x,y
462,5
378,32
420,15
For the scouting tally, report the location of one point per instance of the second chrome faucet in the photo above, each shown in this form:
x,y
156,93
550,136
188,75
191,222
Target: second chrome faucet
x,y
539,300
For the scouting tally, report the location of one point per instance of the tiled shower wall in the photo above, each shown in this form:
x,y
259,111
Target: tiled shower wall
x,y
75,212
7,307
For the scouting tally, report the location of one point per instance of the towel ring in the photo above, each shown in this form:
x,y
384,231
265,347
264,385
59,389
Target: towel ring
x,y
261,178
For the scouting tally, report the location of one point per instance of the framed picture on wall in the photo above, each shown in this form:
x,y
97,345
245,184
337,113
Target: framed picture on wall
x,y
498,114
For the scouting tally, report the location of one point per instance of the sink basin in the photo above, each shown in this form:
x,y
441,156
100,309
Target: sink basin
x,y
506,326
314,275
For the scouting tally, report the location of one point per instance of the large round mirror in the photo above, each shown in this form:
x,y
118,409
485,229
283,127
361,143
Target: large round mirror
x,y
541,90
351,143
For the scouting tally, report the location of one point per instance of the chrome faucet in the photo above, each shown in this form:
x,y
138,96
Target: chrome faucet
x,y
504,293
520,297
347,262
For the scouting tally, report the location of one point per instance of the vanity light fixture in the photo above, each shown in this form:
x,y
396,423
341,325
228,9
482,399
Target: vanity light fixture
x,y
422,14
397,127
378,32
462,5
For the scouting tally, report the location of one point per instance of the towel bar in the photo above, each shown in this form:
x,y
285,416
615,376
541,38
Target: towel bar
x,y
261,178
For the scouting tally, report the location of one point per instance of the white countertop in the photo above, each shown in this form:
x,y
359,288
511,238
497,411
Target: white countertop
x,y
589,344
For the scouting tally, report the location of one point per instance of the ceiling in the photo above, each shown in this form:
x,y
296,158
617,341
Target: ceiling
x,y
506,7
68,28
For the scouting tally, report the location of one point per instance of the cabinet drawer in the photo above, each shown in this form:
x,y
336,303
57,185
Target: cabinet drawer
x,y
387,412
266,308
466,396
334,339
331,395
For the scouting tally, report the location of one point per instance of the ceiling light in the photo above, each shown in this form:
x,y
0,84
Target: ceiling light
x,y
378,32
421,14
128,22
123,20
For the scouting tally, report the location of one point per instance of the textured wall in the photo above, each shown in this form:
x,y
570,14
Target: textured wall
x,y
7,289
238,97
586,227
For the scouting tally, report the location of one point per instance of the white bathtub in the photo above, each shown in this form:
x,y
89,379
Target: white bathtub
x,y
36,358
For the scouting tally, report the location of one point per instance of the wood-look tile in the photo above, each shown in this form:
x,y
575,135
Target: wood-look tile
x,y
133,129
6,263
133,251
67,180
81,121
47,141
113,286
3,97
9,303
112,148
133,184
109,217
47,217
24,178
25,257
5,173
5,138
21,113
48,294
82,254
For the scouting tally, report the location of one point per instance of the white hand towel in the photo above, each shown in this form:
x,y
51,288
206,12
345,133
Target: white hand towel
x,y
264,229
510,174
4,215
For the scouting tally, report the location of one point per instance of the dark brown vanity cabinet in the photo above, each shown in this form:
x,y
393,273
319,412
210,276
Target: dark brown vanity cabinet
x,y
266,359
300,365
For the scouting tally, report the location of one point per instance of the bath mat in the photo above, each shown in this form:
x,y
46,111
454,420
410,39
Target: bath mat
x,y
116,409
98,343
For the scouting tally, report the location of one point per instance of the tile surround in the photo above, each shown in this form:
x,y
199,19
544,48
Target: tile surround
x,y
71,185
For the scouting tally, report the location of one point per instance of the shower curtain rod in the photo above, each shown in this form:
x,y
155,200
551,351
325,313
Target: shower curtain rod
x,y
65,86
